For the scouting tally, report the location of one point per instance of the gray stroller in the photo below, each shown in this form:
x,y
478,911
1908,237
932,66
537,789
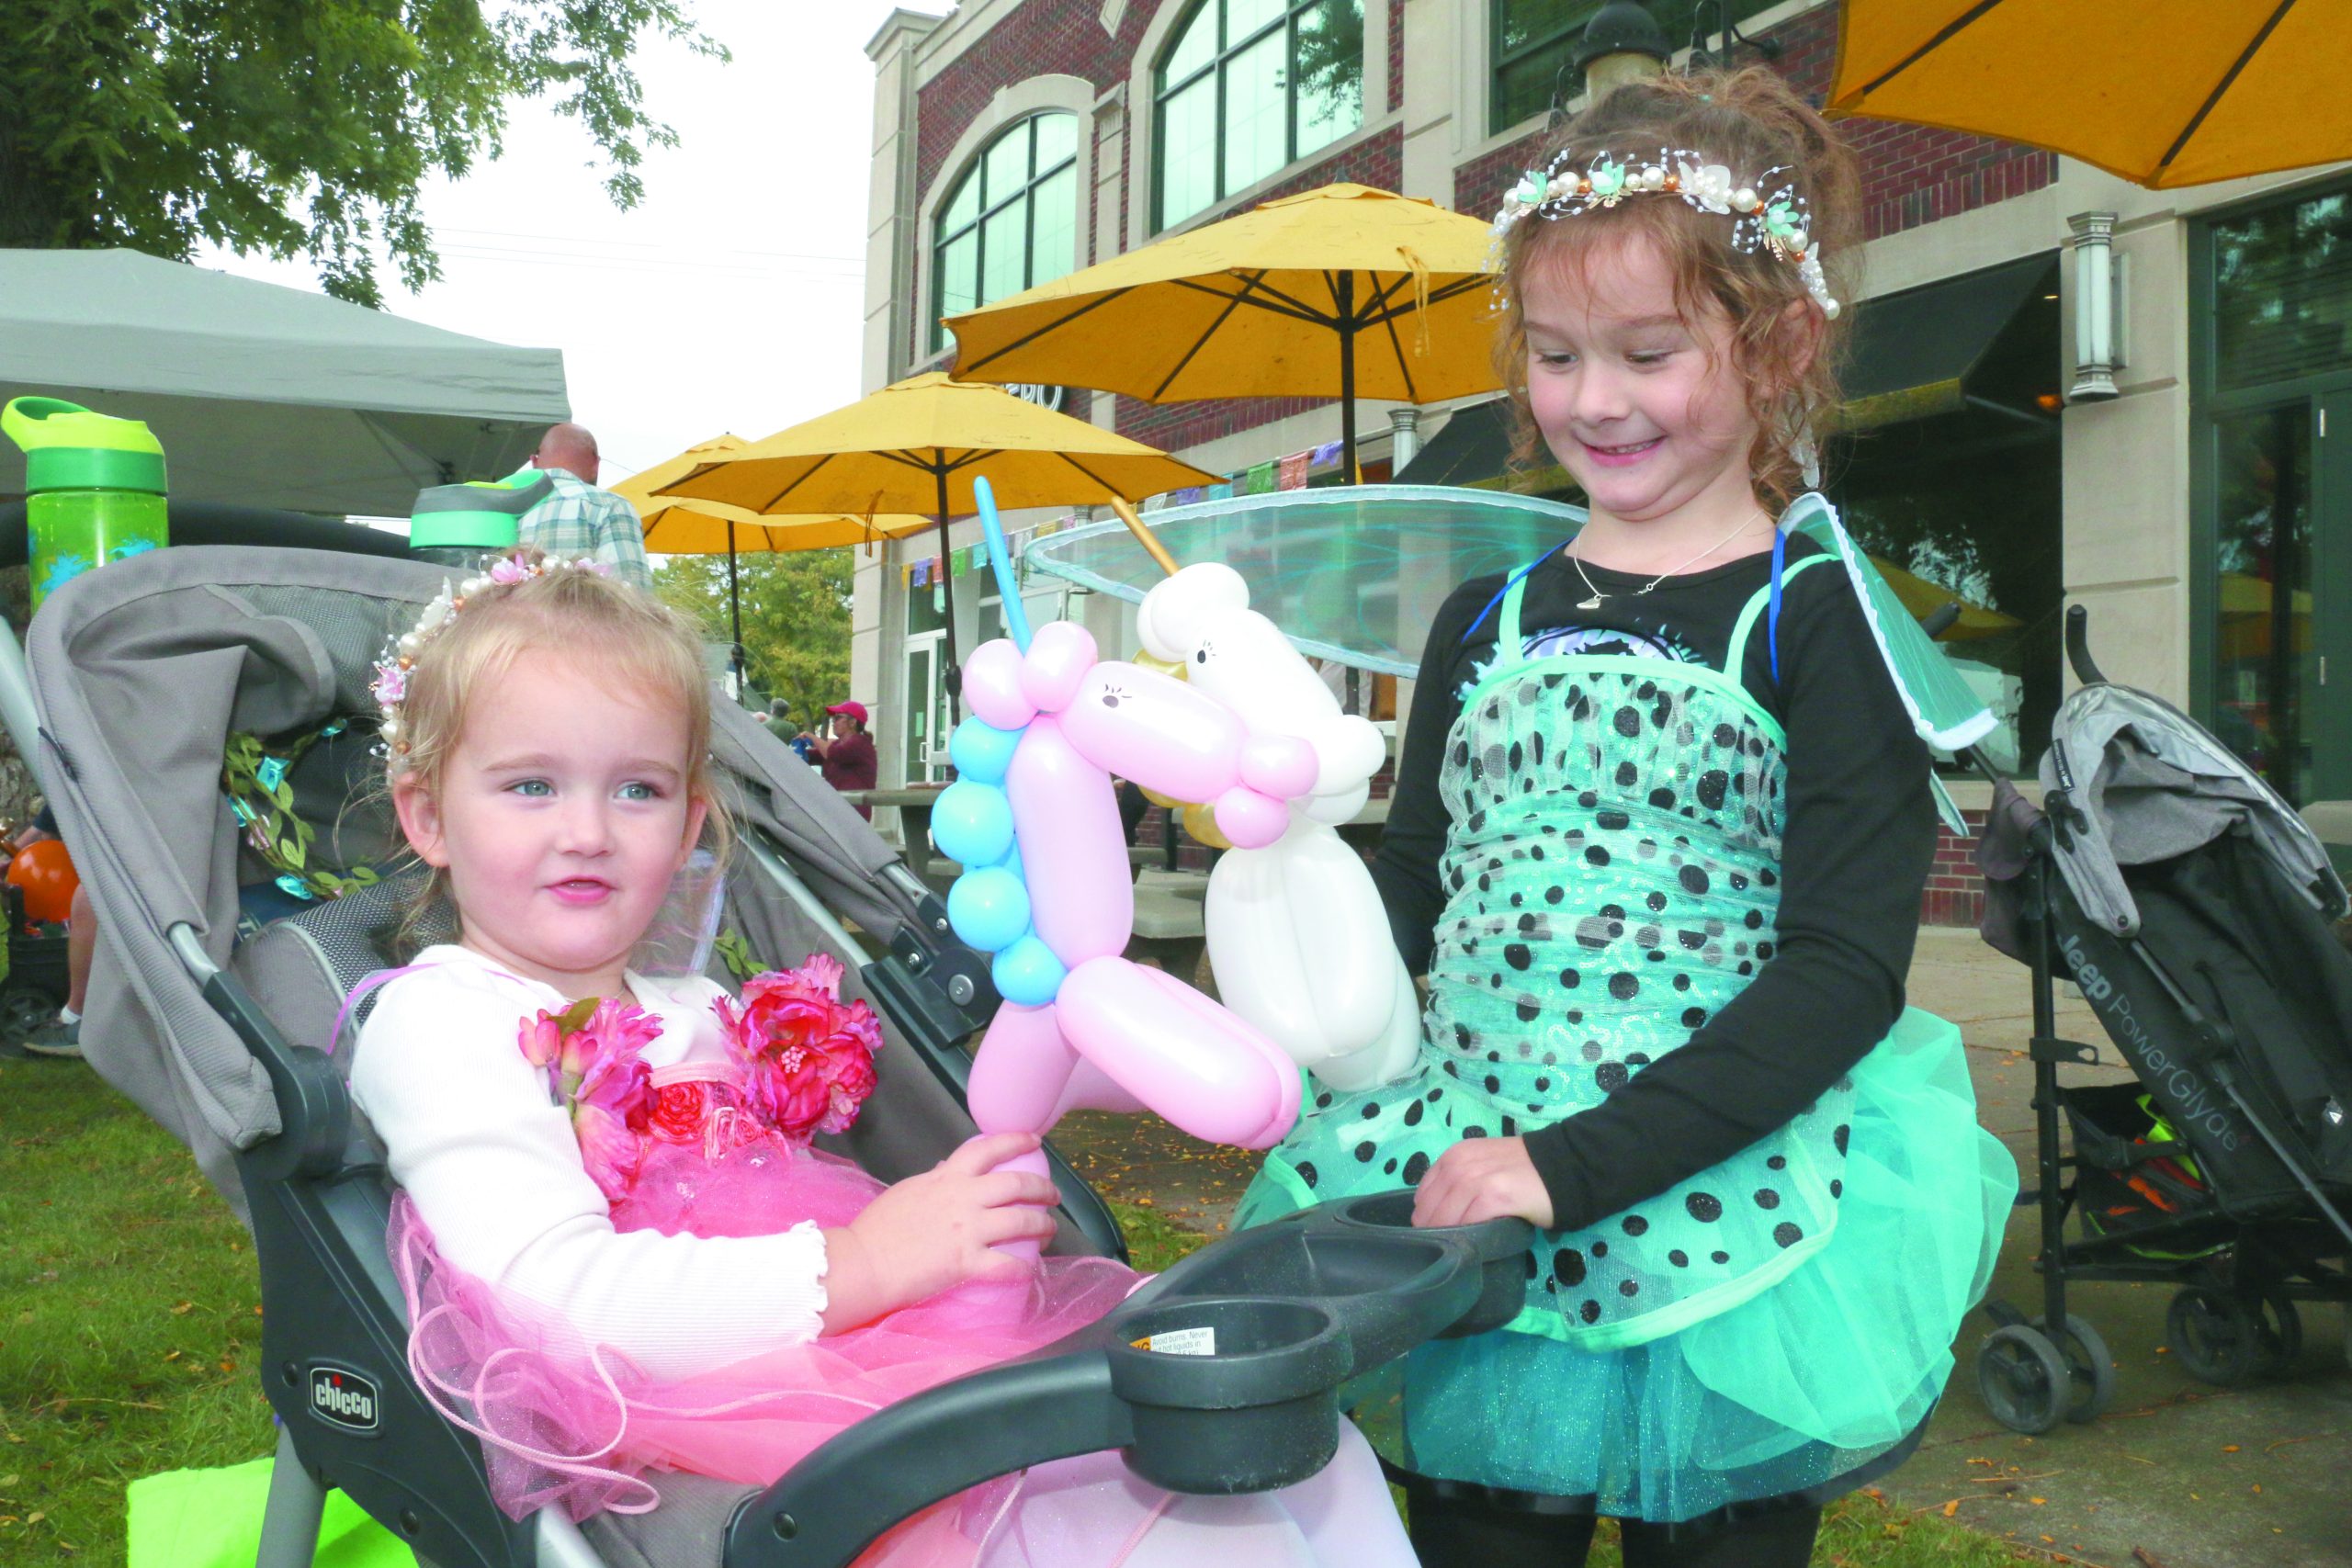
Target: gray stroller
x,y
142,673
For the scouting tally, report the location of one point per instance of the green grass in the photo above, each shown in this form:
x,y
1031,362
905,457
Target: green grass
x,y
129,1322
129,1327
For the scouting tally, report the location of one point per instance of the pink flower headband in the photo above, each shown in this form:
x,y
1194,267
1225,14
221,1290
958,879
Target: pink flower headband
x,y
390,686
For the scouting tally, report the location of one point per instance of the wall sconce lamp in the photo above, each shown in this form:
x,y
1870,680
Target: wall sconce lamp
x,y
1621,43
2099,308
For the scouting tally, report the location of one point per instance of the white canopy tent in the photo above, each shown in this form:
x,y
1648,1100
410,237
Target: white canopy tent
x,y
266,396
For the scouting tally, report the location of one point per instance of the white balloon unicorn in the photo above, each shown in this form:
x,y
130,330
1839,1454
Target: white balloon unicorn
x,y
1296,932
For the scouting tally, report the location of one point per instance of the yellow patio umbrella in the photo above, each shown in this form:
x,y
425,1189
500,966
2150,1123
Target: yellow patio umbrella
x,y
2163,94
915,445
1344,291
1924,598
677,527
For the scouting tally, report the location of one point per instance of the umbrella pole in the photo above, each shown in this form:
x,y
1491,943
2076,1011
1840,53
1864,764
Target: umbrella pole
x,y
1346,296
735,611
952,676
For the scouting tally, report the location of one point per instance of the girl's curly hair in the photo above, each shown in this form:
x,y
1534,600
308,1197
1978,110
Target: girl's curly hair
x,y
1750,121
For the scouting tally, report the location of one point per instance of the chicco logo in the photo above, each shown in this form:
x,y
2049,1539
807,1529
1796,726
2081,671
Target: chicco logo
x,y
343,1398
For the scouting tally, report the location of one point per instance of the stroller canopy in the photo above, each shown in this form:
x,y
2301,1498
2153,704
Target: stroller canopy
x,y
2150,784
143,669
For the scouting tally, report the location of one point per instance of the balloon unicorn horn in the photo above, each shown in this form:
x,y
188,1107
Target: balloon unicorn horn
x,y
1144,537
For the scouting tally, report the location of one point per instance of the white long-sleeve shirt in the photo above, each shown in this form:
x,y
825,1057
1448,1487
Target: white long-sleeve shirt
x,y
471,1133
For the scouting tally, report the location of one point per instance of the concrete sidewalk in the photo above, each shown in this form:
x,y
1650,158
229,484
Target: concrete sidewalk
x,y
2178,1474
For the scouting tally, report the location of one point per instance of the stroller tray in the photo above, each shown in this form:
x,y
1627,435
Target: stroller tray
x,y
1221,1376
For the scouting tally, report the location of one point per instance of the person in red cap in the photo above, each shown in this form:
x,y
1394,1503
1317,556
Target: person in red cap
x,y
846,755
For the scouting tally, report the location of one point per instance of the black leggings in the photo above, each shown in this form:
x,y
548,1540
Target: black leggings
x,y
1461,1532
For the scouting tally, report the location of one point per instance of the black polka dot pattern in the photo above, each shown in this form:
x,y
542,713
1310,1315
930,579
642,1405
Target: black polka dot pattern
x,y
1611,888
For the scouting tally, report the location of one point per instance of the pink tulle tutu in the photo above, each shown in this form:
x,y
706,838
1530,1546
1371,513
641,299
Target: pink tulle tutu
x,y
577,1425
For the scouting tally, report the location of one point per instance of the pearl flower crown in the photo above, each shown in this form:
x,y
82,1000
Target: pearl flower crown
x,y
390,686
1774,220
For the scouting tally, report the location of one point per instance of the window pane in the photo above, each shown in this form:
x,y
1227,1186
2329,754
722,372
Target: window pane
x,y
1329,73
958,276
1195,48
1056,140
1525,87
1519,23
1004,251
1053,234
1006,166
1243,17
2262,640
2282,292
962,206
1188,151
923,614
1257,112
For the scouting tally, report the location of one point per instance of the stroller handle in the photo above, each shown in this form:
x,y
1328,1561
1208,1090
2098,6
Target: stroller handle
x,y
2078,647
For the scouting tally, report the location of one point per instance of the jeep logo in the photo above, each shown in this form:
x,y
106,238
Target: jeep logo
x,y
343,1398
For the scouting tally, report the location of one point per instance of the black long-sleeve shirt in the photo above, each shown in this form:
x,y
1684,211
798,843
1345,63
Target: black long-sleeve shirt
x,y
1859,838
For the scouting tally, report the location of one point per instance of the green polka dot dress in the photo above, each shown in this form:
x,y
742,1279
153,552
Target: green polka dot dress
x,y
1777,1320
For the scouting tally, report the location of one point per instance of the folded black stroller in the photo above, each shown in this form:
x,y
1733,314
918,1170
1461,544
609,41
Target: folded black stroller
x,y
150,671
2192,907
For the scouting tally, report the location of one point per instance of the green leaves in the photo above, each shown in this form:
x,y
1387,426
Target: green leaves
x,y
298,128
795,619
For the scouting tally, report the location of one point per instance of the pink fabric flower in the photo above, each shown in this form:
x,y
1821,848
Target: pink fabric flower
x,y
508,572
392,683
596,1051
542,1039
807,1060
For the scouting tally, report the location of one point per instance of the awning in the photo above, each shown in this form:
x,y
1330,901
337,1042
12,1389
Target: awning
x,y
1474,450
264,396
1914,351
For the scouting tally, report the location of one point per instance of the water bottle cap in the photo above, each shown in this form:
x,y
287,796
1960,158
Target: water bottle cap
x,y
67,447
481,514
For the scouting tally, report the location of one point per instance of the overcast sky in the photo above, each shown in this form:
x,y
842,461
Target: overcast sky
x,y
731,297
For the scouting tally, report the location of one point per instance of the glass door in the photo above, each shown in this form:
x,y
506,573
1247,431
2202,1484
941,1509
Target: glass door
x,y
2265,662
2328,557
926,720
2271,359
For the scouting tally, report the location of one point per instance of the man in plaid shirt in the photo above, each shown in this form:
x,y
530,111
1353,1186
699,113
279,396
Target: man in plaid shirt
x,y
577,519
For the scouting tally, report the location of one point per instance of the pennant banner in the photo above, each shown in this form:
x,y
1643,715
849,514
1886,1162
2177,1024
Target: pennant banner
x,y
1293,470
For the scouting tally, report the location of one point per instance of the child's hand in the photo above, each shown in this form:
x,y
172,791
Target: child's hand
x,y
1482,1179
933,1232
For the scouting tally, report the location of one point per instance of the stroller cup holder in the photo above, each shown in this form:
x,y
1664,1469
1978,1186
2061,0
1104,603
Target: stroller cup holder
x,y
1220,1376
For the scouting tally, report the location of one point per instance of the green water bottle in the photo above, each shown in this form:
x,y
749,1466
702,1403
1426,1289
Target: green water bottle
x,y
473,524
94,488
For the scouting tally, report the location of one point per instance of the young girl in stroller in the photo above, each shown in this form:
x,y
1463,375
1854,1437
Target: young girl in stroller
x,y
620,1255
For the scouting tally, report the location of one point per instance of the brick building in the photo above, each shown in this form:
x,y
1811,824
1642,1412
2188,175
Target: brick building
x,y
2198,514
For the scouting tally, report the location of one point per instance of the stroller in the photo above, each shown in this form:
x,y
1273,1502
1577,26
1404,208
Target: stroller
x,y
2192,906
143,672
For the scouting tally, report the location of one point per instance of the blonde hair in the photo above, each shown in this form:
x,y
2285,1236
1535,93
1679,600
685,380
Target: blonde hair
x,y
631,638
1750,121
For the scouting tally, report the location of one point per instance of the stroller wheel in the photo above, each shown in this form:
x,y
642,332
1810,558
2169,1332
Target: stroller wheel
x,y
2023,1379
2218,1336
22,1010
2089,1367
2280,1328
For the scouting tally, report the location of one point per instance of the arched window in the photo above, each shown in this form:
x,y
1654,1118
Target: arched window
x,y
1011,221
1249,86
